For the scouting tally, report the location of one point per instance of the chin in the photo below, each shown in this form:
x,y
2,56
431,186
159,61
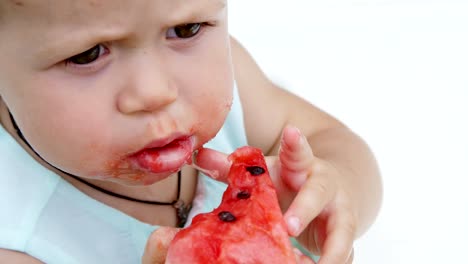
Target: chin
x,y
140,179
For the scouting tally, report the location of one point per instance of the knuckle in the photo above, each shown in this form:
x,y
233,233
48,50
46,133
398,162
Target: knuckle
x,y
320,188
350,227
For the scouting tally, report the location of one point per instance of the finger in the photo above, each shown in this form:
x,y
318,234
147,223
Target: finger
x,y
158,244
295,156
212,163
338,245
315,194
217,164
319,229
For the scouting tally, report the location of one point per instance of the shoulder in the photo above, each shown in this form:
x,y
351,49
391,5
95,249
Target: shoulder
x,y
245,68
16,257
257,93
250,79
268,108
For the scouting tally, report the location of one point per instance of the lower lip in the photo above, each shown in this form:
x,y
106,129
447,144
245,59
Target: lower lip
x,y
169,158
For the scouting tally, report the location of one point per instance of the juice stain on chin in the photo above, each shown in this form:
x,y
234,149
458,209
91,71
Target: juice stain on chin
x,y
119,169
17,3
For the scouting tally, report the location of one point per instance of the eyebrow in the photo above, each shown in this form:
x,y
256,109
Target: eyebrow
x,y
53,50
190,14
187,13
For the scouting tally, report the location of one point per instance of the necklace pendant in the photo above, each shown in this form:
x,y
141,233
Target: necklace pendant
x,y
182,211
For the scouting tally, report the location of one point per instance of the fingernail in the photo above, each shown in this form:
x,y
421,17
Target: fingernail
x,y
294,224
212,173
297,130
303,139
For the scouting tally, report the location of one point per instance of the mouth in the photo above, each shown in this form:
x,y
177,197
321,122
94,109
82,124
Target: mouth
x,y
163,156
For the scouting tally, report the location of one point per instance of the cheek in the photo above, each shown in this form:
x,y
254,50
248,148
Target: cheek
x,y
208,90
211,108
70,142
72,135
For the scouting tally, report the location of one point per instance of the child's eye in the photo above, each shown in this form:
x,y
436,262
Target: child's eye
x,y
184,31
88,56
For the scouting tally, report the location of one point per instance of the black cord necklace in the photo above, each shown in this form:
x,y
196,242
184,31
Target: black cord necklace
x,y
182,209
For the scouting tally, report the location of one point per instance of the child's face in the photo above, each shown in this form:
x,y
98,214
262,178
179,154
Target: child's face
x,y
95,86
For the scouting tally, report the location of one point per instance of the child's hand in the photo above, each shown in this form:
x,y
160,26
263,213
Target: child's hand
x,y
319,210
158,244
322,212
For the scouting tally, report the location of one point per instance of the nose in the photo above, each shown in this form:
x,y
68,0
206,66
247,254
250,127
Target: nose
x,y
147,87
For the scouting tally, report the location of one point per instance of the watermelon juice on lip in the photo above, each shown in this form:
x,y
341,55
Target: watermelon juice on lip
x,y
167,158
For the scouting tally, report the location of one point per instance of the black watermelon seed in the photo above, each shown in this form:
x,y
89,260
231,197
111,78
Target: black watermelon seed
x,y
255,170
226,216
243,195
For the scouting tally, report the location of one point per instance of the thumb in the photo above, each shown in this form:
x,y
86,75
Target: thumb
x,y
158,245
295,157
212,163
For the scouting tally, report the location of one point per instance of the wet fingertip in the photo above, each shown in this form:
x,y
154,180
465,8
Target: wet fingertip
x,y
294,225
295,131
293,138
292,127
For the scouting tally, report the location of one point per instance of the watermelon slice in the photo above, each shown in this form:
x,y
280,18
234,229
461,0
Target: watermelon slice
x,y
247,227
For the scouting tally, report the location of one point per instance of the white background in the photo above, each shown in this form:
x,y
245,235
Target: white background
x,y
396,72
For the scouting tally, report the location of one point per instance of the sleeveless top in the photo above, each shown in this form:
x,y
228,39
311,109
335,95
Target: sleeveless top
x,y
47,218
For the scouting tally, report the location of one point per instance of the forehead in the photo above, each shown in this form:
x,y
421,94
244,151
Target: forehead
x,y
55,29
50,12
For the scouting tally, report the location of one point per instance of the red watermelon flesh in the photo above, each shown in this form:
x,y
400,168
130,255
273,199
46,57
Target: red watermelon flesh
x,y
247,227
